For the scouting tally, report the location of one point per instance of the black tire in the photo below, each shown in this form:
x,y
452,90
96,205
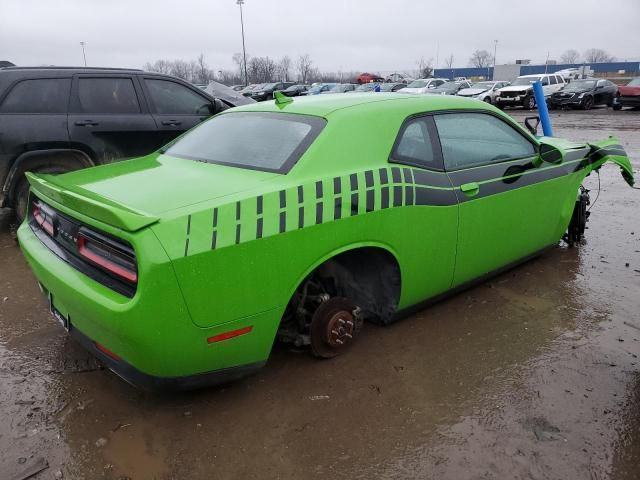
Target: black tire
x,y
529,102
617,107
500,105
587,103
487,100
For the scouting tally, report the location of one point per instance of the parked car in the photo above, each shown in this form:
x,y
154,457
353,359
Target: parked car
x,y
392,86
520,92
54,119
341,88
449,88
569,74
398,78
628,95
295,90
265,92
367,87
250,88
237,88
232,97
318,89
423,85
368,77
584,94
187,277
485,91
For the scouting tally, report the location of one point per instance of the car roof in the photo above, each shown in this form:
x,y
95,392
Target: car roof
x,y
325,105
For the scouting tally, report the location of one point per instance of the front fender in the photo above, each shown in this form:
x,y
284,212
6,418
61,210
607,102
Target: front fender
x,y
610,150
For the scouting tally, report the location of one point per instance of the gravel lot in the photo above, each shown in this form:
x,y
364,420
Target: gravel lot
x,y
532,375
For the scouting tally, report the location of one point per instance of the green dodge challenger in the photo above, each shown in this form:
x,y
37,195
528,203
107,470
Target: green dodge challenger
x,y
296,220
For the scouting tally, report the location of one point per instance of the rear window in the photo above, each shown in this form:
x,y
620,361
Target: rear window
x,y
46,95
272,142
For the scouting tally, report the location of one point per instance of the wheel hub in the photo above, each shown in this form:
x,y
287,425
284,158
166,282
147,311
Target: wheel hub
x,y
334,326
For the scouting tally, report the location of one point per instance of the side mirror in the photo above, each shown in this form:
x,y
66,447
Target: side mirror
x,y
213,108
550,153
599,87
533,128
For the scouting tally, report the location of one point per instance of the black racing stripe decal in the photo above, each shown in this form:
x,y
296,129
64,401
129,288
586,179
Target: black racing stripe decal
x,y
259,228
337,186
318,213
301,217
186,247
283,221
354,204
395,174
353,179
384,197
433,179
300,194
237,234
572,155
283,199
214,238
186,243
337,208
370,201
384,176
188,224
408,195
397,196
489,172
434,197
319,189
215,217
368,178
407,175
259,205
237,210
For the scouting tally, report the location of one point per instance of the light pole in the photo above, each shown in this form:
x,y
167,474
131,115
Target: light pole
x,y
83,55
244,52
495,49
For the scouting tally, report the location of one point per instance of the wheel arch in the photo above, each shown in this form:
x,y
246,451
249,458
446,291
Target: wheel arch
x,y
382,253
71,157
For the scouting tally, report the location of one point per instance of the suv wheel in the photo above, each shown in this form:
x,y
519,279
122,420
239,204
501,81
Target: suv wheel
x,y
587,103
529,102
20,196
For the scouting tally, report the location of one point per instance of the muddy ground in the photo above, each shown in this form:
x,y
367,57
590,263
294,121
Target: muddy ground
x,y
532,375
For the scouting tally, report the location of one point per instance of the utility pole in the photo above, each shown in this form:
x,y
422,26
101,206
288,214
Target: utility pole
x,y
83,55
495,49
244,52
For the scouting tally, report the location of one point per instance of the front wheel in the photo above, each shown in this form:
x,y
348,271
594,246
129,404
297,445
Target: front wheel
x,y
617,107
587,103
487,100
529,102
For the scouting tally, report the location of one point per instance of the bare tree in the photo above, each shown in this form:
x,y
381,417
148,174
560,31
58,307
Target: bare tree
x,y
159,66
449,61
239,61
304,67
425,68
570,56
481,59
597,55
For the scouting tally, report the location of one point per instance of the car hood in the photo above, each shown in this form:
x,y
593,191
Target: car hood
x,y
516,88
413,90
584,90
150,187
472,91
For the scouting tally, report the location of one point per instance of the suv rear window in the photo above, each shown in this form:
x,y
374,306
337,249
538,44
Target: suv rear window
x,y
107,95
272,142
45,95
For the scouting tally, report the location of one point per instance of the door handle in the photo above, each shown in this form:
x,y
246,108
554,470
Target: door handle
x,y
173,123
86,123
470,189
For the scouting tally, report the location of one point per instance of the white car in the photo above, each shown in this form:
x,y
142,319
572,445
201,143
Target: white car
x,y
422,85
520,92
485,91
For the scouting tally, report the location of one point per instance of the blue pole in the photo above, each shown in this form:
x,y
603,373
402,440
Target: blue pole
x,y
543,111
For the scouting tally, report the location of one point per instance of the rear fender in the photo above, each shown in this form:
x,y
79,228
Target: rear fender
x,y
610,150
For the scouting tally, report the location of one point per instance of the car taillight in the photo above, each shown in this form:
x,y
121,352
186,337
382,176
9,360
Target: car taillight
x,y
109,255
42,217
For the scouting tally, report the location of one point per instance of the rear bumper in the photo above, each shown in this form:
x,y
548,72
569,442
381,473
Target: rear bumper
x,y
152,383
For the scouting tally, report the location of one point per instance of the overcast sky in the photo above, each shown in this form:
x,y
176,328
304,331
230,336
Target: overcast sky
x,y
340,35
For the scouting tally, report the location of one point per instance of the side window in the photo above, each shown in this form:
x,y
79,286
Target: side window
x,y
473,139
560,79
107,95
553,80
47,95
602,83
415,144
172,98
544,81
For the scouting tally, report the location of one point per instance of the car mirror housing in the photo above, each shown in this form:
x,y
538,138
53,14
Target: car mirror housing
x,y
550,153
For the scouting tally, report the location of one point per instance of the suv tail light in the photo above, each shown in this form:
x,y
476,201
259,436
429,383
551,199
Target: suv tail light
x,y
110,255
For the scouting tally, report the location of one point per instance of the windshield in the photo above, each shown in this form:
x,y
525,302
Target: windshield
x,y
276,142
293,88
338,88
635,82
447,87
524,81
387,87
366,87
267,86
417,84
482,85
580,85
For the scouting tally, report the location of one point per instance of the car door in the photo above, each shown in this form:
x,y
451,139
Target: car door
x,y
109,119
175,106
602,93
417,179
506,210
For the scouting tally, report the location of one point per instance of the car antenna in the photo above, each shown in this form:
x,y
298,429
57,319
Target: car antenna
x,y
281,98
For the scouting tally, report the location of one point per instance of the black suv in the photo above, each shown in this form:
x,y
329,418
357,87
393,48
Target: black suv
x,y
57,119
265,92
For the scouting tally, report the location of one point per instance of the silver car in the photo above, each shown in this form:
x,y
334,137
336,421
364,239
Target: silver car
x,y
486,91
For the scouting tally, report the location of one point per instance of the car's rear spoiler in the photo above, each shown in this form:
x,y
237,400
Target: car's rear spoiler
x,y
100,208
